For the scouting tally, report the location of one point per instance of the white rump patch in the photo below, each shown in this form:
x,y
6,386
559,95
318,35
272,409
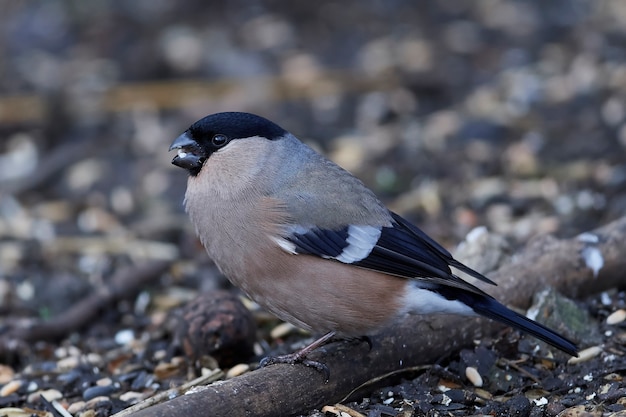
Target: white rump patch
x,y
361,240
420,301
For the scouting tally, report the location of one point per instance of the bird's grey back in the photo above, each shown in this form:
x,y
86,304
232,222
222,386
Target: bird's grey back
x,y
346,199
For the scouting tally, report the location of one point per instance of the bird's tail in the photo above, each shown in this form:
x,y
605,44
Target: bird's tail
x,y
490,308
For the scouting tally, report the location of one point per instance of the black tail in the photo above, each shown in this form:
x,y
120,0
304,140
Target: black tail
x,y
489,307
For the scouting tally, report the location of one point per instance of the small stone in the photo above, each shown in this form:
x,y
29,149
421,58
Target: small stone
x,y
124,337
616,317
585,355
94,401
166,370
131,397
473,376
50,395
68,377
94,358
160,355
98,391
103,382
282,330
11,387
76,407
237,370
68,363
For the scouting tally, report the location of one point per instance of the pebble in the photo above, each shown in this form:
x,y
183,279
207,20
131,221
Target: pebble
x,y
131,396
585,355
11,387
236,370
473,376
98,391
282,330
94,401
68,363
103,382
143,380
49,394
94,359
6,374
166,370
616,317
160,355
65,351
124,337
74,408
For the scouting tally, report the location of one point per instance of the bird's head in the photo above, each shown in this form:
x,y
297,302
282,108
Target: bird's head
x,y
214,133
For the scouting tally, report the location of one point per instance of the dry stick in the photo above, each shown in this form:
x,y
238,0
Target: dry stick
x,y
284,390
124,284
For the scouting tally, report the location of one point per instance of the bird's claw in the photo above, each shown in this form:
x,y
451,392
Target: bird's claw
x,y
294,358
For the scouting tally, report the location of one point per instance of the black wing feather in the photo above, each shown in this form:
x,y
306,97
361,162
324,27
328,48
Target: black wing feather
x,y
437,249
321,242
397,254
402,250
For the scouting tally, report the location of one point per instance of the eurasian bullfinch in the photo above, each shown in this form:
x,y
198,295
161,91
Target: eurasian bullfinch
x,y
311,243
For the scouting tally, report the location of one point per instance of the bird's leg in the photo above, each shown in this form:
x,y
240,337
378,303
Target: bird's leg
x,y
300,356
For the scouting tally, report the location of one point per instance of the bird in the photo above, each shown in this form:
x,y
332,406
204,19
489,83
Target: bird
x,y
309,242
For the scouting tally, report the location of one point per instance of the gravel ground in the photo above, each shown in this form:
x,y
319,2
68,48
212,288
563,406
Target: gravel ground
x,y
502,113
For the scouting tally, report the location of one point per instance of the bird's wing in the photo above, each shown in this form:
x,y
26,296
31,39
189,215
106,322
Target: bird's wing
x,y
401,249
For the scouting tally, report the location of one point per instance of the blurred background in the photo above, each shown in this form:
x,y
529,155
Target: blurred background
x,y
504,113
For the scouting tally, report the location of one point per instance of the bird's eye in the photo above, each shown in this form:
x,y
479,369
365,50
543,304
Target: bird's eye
x,y
219,140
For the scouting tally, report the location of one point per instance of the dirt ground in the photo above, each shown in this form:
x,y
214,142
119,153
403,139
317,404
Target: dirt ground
x,y
498,113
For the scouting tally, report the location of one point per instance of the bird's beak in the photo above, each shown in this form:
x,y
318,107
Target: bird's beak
x,y
183,141
190,154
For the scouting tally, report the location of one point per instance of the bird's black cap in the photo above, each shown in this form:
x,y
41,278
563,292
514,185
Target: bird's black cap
x,y
235,125
209,134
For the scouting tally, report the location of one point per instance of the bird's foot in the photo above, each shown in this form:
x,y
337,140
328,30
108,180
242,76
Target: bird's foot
x,y
292,359
301,356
